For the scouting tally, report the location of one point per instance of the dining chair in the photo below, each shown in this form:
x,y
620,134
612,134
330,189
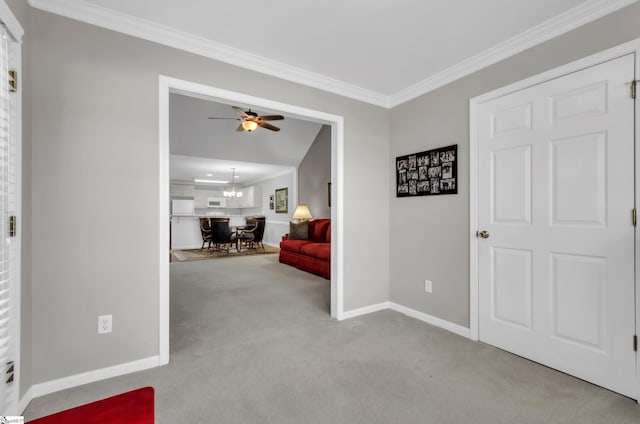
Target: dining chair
x,y
222,236
205,231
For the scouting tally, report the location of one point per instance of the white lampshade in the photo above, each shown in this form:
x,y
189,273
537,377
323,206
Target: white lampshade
x,y
249,125
302,213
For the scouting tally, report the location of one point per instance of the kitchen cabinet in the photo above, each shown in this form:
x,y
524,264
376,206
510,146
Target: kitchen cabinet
x,y
185,232
201,195
181,190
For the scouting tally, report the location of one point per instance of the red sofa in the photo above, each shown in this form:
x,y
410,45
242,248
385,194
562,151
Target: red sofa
x,y
313,255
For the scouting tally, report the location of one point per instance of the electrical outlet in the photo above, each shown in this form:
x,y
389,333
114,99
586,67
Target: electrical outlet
x,y
105,323
428,286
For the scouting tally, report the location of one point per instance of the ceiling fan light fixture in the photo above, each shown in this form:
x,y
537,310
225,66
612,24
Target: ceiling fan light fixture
x,y
249,125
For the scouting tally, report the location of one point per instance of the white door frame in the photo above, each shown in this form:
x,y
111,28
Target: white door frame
x,y
15,29
172,85
615,52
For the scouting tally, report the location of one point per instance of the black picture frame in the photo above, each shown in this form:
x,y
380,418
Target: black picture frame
x,y
282,200
429,173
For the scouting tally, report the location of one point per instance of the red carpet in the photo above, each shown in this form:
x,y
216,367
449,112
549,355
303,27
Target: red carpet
x,y
135,407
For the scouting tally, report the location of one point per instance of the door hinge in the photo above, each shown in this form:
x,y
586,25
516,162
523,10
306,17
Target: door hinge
x,y
10,372
12,226
634,84
13,81
634,216
635,343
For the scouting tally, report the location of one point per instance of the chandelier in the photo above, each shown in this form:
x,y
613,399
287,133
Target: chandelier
x,y
233,192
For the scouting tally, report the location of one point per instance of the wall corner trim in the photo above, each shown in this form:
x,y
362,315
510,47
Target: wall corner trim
x,y
363,311
429,319
25,400
63,383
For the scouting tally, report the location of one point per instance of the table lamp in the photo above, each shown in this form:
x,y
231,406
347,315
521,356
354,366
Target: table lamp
x,y
302,213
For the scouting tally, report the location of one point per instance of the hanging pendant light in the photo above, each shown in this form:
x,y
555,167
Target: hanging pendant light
x,y
233,192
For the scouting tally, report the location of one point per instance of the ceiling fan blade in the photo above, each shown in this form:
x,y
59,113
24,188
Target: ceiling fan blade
x,y
270,117
268,126
240,129
239,110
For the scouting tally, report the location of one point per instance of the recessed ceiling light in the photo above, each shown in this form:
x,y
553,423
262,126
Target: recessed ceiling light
x,y
197,180
209,175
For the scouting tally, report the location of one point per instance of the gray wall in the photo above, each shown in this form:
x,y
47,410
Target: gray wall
x,y
21,10
95,188
277,223
314,173
429,235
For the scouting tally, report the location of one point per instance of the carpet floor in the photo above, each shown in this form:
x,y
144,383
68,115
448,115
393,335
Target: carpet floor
x,y
259,346
201,254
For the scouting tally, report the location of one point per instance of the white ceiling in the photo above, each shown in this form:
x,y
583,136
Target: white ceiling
x,y
199,145
377,50
186,168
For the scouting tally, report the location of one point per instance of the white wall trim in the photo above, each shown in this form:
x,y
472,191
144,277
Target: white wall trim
x,y
165,35
430,319
147,30
268,221
64,383
25,401
551,28
365,310
11,22
631,47
168,84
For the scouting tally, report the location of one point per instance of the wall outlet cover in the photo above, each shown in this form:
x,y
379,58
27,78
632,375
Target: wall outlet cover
x,y
428,286
105,324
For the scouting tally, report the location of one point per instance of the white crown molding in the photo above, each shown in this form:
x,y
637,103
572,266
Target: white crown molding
x,y
165,35
551,28
161,34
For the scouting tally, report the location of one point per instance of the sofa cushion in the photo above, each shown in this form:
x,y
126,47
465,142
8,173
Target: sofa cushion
x,y
299,231
319,231
293,245
317,250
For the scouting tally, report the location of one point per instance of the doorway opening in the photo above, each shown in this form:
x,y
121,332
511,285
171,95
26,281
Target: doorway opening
x,y
167,86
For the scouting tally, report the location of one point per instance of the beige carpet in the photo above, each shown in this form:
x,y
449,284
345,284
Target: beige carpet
x,y
252,341
202,254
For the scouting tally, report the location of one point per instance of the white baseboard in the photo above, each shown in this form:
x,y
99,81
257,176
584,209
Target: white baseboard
x,y
25,400
272,244
363,311
438,322
430,319
52,386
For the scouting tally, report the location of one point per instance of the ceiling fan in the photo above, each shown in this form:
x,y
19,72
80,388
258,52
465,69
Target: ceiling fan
x,y
249,120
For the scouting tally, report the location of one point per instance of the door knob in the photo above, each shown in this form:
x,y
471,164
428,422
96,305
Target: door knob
x,y
483,234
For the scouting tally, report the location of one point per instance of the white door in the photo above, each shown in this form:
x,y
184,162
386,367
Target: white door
x,y
555,197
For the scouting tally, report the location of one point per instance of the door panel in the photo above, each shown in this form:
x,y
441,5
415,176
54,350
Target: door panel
x,y
511,184
555,193
511,286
